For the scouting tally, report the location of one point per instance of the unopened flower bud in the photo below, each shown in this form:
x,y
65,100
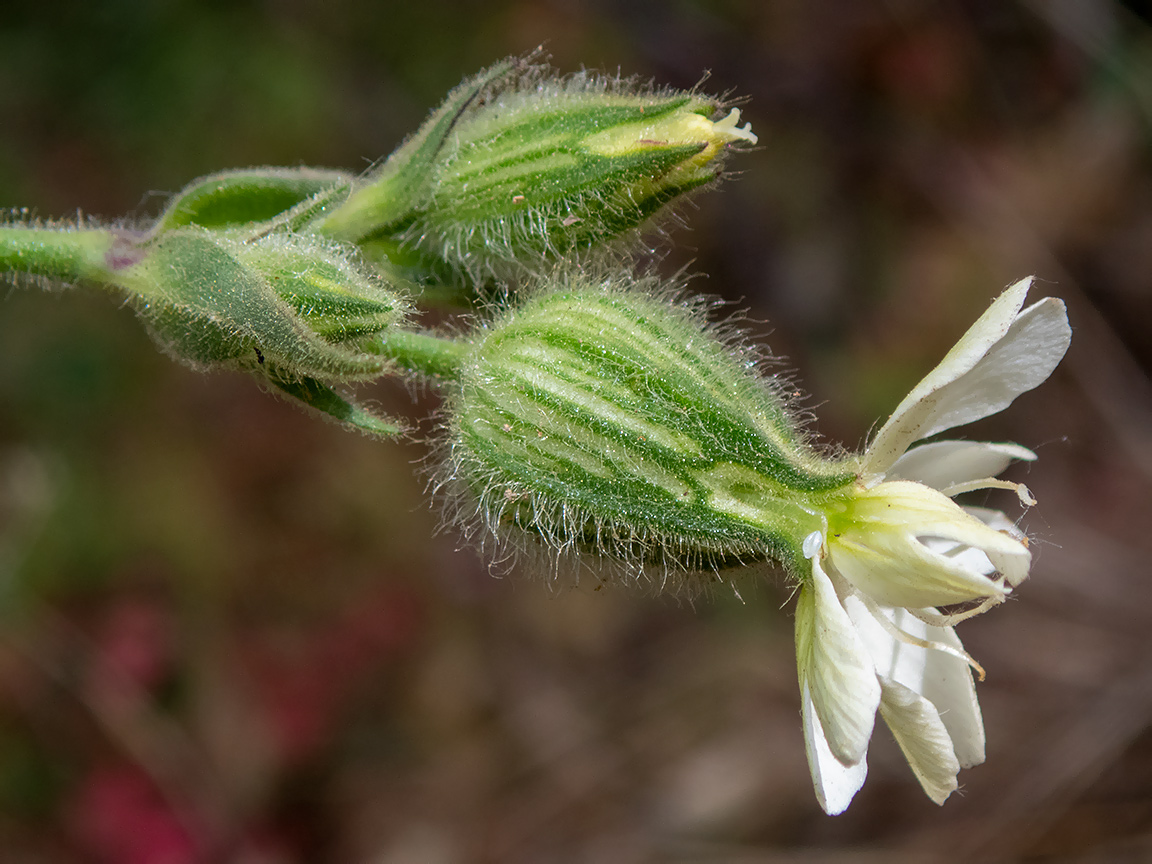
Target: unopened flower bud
x,y
290,308
519,166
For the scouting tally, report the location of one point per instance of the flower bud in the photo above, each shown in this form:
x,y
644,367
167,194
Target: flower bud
x,y
519,166
290,308
599,417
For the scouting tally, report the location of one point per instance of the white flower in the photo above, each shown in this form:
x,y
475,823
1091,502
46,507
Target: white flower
x,y
868,635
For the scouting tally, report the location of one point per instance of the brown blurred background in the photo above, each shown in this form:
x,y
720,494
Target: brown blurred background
x,y
230,632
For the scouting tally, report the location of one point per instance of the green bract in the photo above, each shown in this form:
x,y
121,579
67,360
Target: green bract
x,y
600,417
235,199
519,166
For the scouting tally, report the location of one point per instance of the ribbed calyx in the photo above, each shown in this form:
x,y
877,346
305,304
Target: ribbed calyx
x,y
602,418
519,165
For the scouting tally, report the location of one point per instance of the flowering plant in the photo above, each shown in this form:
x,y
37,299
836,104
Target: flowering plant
x,y
595,414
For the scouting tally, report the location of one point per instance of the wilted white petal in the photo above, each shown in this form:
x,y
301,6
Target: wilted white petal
x,y
947,684
943,679
1014,568
834,666
946,463
835,783
892,658
1005,353
876,544
919,731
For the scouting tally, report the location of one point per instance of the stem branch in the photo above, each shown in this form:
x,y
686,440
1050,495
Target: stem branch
x,y
423,352
67,255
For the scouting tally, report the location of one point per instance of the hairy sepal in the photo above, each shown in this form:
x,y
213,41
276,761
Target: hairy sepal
x,y
598,418
520,167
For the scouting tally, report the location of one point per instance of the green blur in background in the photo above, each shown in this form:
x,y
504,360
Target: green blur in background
x,y
232,632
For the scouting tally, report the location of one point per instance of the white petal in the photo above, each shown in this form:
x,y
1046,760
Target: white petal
x,y
833,664
876,544
943,679
834,782
947,684
919,408
1005,353
908,573
892,658
919,731
1014,567
946,463
1030,351
962,556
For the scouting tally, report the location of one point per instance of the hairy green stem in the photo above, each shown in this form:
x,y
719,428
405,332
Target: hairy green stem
x,y
67,255
422,352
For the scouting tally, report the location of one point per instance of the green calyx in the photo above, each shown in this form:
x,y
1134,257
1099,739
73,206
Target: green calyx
x,y
519,166
601,418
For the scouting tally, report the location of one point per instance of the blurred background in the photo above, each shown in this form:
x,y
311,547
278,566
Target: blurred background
x,y
231,632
